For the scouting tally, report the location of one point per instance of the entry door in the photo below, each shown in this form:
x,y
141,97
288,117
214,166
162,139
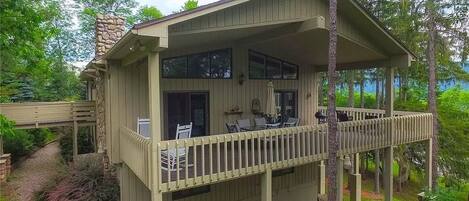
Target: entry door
x,y
183,108
286,102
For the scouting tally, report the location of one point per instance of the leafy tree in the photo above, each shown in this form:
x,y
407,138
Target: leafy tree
x,y
146,13
432,86
87,17
190,4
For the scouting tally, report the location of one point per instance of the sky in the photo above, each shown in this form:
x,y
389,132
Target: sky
x,y
169,6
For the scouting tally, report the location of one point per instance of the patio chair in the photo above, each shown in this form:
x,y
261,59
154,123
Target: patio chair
x,y
143,127
342,116
244,124
232,128
320,117
169,157
291,122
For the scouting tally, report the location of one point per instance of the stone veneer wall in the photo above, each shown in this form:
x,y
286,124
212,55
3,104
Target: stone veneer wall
x,y
109,29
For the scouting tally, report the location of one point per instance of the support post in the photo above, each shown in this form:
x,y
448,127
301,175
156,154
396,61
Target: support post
x,y
340,179
389,91
75,140
356,180
155,120
377,171
266,185
322,178
428,164
388,151
388,180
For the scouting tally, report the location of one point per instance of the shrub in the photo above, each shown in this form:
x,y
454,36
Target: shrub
x,y
86,181
19,144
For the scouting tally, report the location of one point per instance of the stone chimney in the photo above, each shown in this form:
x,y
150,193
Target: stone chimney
x,y
109,29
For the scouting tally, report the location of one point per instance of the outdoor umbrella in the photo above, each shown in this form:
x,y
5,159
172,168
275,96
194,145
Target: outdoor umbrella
x,y
270,108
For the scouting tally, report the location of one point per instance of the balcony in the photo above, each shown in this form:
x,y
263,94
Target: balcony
x,y
219,158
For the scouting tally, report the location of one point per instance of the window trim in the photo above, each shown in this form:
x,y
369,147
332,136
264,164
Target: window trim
x,y
186,56
265,67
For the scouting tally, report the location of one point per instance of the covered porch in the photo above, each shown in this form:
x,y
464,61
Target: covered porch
x,y
140,86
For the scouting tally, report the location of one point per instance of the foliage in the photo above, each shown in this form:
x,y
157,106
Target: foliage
x,y
85,144
190,4
23,142
7,127
86,181
89,9
35,42
441,194
145,13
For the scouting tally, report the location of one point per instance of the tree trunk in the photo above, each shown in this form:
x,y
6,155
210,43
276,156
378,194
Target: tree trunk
x,y
377,89
331,109
362,89
430,9
383,100
351,91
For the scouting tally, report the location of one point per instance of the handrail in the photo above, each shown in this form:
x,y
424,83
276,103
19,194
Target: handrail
x,y
211,159
135,151
365,113
35,114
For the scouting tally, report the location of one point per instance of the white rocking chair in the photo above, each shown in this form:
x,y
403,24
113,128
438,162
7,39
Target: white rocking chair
x,y
169,157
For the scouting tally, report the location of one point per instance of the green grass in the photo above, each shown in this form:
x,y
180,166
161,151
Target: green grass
x,y
409,190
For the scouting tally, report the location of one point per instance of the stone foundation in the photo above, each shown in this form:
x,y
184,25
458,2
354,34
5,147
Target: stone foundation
x,y
5,166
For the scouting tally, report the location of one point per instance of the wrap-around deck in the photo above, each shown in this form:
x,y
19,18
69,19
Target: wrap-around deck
x,y
218,158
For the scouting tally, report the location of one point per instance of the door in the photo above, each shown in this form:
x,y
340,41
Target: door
x,y
183,108
286,103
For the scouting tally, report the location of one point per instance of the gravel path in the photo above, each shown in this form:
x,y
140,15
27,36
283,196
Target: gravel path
x,y
35,172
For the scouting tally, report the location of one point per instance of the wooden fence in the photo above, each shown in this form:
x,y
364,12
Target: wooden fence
x,y
49,114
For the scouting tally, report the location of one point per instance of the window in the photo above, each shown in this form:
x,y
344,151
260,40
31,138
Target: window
x,y
199,65
256,66
215,64
266,67
175,67
220,64
286,104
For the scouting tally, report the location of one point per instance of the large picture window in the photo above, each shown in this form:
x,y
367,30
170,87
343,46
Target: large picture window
x,y
262,66
215,64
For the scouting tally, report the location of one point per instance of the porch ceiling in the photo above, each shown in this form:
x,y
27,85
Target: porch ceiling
x,y
289,41
312,48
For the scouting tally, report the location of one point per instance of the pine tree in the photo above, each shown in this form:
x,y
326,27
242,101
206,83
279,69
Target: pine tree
x,y
331,108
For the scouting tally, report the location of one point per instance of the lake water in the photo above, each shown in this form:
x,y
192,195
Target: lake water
x,y
371,87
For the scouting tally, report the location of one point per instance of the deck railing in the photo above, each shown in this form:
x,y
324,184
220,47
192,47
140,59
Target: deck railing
x,y
211,159
363,114
135,151
43,114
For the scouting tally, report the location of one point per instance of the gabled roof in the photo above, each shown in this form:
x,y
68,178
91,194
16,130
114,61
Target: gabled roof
x,y
351,6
